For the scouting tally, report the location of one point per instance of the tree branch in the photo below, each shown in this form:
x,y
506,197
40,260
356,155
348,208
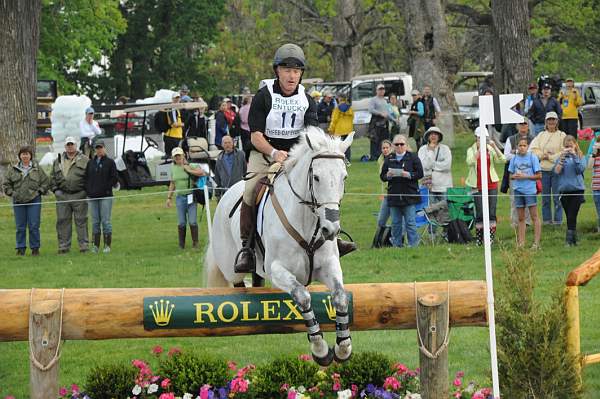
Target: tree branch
x,y
307,10
478,17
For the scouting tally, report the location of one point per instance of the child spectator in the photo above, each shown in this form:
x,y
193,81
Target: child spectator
x,y
524,170
595,163
342,121
569,169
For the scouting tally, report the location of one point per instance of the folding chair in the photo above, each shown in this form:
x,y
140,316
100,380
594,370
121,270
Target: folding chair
x,y
422,219
461,205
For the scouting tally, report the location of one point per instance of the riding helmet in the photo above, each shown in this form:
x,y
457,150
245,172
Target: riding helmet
x,y
289,55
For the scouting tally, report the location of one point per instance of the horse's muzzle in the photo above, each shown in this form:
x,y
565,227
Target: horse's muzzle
x,y
331,231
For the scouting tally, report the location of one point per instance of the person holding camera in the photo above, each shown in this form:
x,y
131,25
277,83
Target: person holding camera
x,y
570,100
569,168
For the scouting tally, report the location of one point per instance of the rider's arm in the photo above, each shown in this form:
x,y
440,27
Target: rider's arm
x,y
260,143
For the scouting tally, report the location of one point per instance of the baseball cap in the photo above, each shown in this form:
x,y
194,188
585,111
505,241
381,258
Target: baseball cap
x,y
551,115
175,95
380,86
414,93
70,140
99,143
532,86
176,151
525,120
227,100
89,110
569,80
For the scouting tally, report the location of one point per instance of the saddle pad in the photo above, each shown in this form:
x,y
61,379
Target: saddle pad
x,y
260,212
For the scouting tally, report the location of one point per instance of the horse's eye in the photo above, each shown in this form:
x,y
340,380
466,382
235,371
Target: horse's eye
x,y
316,178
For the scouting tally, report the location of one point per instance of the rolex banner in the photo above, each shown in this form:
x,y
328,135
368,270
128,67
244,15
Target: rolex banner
x,y
215,311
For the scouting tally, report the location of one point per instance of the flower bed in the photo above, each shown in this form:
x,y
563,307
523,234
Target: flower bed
x,y
192,376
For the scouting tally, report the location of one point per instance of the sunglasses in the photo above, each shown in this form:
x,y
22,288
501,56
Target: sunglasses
x,y
399,144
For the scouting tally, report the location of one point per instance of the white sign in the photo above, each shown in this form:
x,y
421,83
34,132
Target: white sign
x,y
498,109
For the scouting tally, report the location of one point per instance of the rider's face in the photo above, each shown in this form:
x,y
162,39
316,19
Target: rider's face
x,y
289,78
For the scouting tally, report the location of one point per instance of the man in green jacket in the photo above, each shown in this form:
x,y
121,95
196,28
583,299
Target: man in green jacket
x,y
68,183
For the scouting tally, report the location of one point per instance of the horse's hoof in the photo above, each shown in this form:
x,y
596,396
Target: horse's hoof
x,y
326,360
342,353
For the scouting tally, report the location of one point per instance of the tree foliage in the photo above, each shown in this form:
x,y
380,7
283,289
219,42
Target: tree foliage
x,y
75,35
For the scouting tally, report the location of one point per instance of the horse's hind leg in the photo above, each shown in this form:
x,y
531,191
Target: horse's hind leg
x,y
284,280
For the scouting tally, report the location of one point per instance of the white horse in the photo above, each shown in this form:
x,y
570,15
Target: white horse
x,y
308,194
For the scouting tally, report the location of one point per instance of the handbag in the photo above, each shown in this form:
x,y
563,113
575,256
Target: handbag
x,y
198,188
538,186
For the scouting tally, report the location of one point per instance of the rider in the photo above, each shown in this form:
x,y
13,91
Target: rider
x,y
279,111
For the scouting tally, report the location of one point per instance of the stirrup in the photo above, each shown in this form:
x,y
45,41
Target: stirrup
x,y
251,267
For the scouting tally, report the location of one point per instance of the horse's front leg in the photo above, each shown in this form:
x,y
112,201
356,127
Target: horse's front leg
x,y
332,278
284,280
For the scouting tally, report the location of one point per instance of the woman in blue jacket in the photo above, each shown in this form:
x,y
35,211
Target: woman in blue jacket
x,y
569,167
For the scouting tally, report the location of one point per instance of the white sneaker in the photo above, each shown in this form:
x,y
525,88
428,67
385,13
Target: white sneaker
x,y
94,249
106,250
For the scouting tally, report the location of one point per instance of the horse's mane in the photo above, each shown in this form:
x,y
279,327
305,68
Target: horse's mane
x,y
319,142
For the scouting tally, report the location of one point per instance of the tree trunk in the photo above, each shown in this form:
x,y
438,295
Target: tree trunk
x,y
433,54
513,69
347,58
19,40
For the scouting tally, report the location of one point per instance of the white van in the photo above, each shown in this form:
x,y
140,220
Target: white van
x,y
363,89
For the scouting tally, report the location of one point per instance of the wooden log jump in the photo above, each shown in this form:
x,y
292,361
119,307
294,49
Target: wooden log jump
x,y
103,313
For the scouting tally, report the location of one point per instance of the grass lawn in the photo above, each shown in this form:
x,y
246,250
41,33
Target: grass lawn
x,y
145,254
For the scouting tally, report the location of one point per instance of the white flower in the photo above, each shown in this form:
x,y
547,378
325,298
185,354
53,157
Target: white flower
x,y
347,394
188,396
412,396
136,390
301,389
152,388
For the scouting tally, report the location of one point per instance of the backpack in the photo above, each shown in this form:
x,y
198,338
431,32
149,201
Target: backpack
x,y
382,238
458,232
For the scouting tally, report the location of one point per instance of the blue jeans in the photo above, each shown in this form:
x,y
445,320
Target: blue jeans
x,y
186,212
550,186
100,212
407,215
27,216
384,213
596,195
537,128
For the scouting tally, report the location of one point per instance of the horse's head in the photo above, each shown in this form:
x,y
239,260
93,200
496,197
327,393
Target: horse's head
x,y
322,156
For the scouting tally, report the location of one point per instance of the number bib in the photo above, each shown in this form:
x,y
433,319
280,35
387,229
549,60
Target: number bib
x,y
286,117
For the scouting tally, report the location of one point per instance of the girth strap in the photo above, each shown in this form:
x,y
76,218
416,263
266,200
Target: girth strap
x,y
309,248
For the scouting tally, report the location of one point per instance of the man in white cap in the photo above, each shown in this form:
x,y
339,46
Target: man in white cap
x,y
68,184
88,129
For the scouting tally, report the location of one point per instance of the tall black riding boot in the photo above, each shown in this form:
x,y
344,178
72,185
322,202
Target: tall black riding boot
x,y
245,261
107,242
181,234
194,233
377,237
479,235
96,244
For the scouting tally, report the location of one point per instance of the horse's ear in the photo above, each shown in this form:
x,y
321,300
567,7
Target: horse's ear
x,y
344,145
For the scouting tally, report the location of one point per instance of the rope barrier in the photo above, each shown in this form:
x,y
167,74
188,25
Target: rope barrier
x,y
355,194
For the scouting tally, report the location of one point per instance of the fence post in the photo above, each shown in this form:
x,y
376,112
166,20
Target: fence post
x,y
433,331
44,338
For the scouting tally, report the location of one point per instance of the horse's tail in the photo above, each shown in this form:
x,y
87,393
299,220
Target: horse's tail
x,y
213,277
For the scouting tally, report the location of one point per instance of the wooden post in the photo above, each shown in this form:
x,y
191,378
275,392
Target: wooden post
x,y
573,338
433,330
44,324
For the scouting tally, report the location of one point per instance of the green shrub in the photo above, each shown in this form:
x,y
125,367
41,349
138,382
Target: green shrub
x,y
267,380
188,372
532,338
110,381
362,369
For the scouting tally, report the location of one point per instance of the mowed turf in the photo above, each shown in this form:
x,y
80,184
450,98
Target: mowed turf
x,y
145,254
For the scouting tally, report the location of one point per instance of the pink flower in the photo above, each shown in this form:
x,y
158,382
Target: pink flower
x,y
204,391
354,390
457,382
165,383
336,386
305,357
401,368
62,391
74,389
169,395
239,385
457,395
291,394
391,383
174,351
284,387
157,350
155,378
460,374
478,395
9,397
231,365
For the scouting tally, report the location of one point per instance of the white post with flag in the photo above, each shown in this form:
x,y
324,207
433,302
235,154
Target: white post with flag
x,y
492,109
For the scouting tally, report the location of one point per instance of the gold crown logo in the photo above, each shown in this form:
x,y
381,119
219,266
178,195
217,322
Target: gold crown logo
x,y
162,312
329,307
